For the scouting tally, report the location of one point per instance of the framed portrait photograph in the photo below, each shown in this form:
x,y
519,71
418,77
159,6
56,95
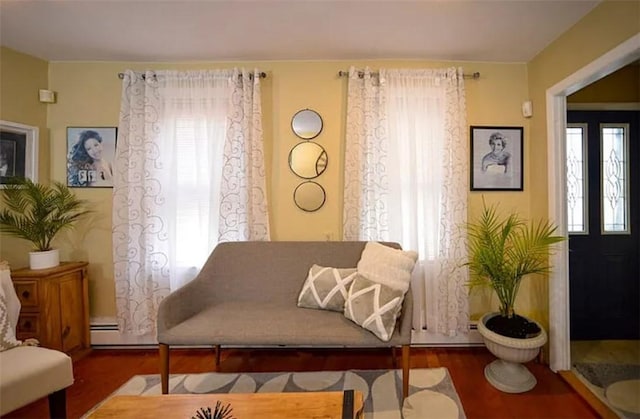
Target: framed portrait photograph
x,y
90,155
496,158
18,152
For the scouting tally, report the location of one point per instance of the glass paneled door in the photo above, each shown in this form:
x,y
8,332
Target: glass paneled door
x,y
603,193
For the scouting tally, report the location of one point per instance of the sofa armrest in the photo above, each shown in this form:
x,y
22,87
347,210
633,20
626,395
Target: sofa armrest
x,y
182,304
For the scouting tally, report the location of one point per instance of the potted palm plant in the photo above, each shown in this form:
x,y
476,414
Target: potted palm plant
x,y
502,251
37,212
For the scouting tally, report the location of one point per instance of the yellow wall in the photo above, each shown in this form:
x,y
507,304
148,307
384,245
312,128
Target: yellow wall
x,y
21,76
622,86
89,94
608,25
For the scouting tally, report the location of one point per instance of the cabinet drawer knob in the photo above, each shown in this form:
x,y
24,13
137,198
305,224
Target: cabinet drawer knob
x,y
27,325
65,332
26,294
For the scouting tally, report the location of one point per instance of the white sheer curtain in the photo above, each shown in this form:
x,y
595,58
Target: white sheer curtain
x,y
406,180
189,173
365,176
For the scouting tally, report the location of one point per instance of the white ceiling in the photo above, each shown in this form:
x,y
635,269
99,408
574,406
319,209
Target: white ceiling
x,y
238,30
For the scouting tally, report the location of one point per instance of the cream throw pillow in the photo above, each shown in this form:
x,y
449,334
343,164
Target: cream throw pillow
x,y
326,288
373,306
386,265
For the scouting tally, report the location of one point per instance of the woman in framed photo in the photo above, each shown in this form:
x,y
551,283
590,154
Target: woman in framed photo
x,y
6,168
86,163
497,160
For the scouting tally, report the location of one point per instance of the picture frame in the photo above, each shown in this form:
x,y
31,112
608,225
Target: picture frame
x,y
18,151
90,155
496,168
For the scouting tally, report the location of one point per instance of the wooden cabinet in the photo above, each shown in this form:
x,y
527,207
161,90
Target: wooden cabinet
x,y
55,306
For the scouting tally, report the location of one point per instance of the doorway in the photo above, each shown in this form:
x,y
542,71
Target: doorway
x,y
625,53
620,356
603,214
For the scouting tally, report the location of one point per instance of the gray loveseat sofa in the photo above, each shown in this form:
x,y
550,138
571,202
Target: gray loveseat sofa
x,y
246,296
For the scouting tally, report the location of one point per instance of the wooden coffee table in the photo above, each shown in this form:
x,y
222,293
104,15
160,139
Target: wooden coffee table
x,y
306,405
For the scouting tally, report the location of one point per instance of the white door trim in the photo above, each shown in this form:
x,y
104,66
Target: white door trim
x,y
559,325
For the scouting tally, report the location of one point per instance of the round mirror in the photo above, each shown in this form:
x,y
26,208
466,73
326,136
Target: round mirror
x,y
308,160
309,196
306,124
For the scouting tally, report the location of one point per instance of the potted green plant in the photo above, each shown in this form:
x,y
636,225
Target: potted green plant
x,y
37,212
503,250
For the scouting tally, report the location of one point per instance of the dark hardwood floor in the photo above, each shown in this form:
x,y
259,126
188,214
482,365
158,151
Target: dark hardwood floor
x,y
104,370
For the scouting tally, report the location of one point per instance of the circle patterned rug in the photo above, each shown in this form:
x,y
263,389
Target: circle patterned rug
x,y
618,385
431,391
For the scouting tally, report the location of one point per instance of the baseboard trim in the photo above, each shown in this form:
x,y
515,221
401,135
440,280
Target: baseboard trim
x,y
426,338
115,338
105,334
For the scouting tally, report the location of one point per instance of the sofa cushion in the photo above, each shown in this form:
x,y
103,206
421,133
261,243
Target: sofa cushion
x,y
238,323
387,266
373,306
326,288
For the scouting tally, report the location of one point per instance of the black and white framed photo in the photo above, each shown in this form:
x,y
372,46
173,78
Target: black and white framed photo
x,y
18,152
496,158
90,154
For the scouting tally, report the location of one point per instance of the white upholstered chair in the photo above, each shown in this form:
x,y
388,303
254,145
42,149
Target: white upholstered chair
x,y
28,373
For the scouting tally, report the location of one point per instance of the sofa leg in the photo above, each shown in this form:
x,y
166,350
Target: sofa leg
x,y
406,352
164,367
394,357
217,351
58,404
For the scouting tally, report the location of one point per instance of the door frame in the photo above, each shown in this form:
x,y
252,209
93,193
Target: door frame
x,y
556,101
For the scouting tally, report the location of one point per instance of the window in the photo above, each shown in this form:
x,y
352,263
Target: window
x,y
614,155
577,208
196,206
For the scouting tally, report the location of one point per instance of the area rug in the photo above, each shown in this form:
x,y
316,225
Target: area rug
x,y
617,385
431,391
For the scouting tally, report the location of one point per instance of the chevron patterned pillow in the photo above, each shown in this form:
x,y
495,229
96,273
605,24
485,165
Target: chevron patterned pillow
x,y
326,288
373,306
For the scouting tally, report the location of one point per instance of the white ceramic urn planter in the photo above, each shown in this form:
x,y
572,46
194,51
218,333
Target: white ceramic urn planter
x,y
507,372
44,260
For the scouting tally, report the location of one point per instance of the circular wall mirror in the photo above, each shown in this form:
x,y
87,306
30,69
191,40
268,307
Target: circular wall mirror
x,y
308,160
306,124
309,196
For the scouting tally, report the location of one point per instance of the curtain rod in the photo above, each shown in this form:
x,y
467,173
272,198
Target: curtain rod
x,y
262,75
342,73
